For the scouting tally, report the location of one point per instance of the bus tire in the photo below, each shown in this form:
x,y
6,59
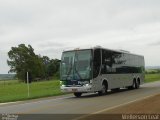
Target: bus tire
x,y
104,89
77,94
137,84
133,86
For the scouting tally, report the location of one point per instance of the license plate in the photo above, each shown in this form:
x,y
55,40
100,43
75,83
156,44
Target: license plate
x,y
74,90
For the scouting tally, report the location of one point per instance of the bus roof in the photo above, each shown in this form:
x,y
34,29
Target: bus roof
x,y
99,47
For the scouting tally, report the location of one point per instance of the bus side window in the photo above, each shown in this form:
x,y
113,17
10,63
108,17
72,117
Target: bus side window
x,y
96,62
104,69
106,61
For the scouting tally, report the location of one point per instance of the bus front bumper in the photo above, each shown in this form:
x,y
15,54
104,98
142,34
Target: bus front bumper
x,y
76,89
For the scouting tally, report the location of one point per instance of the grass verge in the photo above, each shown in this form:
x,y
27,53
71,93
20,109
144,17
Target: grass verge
x,y
13,90
152,77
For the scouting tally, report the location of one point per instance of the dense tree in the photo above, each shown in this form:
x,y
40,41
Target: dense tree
x,y
23,60
51,67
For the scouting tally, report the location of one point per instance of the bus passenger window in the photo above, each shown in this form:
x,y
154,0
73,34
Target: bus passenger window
x,y
96,62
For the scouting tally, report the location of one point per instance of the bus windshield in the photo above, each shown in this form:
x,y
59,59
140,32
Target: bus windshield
x,y
76,65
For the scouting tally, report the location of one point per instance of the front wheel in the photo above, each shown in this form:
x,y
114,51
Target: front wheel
x,y
103,91
77,94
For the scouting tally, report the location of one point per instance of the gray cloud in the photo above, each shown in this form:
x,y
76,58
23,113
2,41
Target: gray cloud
x,y
157,43
53,26
51,44
3,63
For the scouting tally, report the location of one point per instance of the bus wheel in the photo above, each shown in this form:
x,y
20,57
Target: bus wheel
x,y
133,85
137,84
104,89
77,94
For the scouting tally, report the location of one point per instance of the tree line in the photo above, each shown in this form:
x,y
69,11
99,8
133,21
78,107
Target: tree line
x,y
152,71
22,59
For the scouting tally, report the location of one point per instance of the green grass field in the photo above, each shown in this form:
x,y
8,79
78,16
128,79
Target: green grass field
x,y
152,77
12,90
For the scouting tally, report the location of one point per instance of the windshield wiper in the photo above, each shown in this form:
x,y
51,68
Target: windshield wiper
x,y
78,73
76,56
70,69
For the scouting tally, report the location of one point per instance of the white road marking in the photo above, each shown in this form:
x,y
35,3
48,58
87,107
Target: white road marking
x,y
29,102
9,103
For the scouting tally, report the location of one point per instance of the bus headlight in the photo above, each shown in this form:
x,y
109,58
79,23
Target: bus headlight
x,y
86,84
60,82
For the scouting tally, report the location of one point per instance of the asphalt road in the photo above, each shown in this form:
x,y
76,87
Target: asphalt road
x,y
87,104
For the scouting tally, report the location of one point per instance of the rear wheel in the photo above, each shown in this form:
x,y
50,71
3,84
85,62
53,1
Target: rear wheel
x,y
137,84
77,94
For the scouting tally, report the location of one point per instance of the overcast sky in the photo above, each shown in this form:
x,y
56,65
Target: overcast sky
x,y
51,26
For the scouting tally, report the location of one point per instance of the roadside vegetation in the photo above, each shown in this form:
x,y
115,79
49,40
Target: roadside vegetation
x,y
13,90
23,59
152,75
43,75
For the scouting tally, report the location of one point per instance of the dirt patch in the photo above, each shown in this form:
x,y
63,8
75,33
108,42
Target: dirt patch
x,y
146,107
149,105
